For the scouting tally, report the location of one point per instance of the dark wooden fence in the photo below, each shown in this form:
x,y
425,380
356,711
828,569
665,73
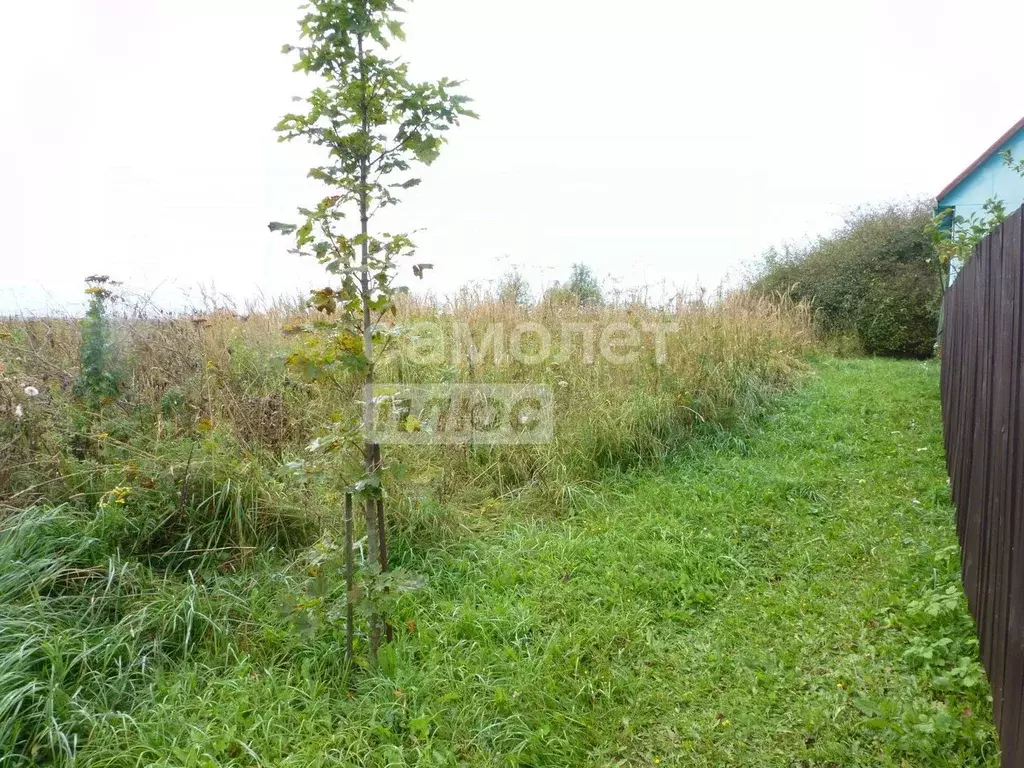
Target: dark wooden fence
x,y
983,419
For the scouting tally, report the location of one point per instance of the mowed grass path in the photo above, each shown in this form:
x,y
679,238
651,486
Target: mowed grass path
x,y
784,595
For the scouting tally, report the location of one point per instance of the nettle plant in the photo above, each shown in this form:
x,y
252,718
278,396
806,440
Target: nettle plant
x,y
375,125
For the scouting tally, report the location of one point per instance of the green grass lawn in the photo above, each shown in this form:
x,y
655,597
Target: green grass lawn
x,y
786,594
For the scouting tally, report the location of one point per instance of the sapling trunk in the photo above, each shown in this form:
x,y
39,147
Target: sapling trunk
x,y
371,451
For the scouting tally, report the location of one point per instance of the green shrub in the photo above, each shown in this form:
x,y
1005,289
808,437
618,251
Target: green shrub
x,y
875,279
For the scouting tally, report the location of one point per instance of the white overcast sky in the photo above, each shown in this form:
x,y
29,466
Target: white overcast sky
x,y
663,142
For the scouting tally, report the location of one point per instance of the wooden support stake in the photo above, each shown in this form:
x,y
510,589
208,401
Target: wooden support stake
x,y
389,633
350,571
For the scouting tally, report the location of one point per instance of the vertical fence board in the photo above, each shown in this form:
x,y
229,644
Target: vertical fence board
x,y
1013,677
982,388
1013,672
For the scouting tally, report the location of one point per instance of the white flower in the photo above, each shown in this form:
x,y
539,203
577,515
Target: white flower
x,y
31,391
18,412
563,384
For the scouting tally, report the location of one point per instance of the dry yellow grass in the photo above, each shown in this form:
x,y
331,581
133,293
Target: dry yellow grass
x,y
212,389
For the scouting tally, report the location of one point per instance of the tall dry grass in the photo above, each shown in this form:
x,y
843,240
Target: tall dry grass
x,y
718,360
209,412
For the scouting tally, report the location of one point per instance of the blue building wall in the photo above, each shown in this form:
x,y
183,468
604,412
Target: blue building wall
x,y
991,179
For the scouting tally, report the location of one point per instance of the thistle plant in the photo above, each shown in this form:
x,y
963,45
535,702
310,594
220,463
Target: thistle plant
x,y
98,382
375,124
